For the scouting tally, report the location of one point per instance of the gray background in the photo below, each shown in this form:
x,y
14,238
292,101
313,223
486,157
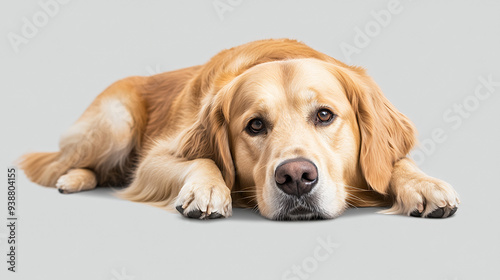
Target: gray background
x,y
428,58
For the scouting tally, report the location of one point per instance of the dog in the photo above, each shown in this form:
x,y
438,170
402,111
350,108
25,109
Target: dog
x,y
271,125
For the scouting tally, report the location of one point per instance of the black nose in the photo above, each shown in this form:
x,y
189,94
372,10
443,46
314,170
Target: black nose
x,y
296,176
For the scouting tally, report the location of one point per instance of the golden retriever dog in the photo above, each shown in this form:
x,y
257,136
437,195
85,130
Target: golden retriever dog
x,y
271,125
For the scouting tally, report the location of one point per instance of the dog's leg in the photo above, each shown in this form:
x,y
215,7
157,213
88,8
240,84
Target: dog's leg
x,y
196,186
418,194
76,180
101,140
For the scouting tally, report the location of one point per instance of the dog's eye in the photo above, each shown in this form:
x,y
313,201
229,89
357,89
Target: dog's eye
x,y
256,126
324,116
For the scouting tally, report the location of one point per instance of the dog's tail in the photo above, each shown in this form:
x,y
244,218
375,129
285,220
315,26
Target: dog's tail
x,y
44,168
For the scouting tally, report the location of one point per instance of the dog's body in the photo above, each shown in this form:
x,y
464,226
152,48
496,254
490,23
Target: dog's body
x,y
271,124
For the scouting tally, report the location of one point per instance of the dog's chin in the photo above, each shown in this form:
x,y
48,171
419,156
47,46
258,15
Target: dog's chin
x,y
301,217
304,208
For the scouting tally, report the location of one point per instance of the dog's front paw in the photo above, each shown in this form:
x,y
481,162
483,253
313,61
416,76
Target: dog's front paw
x,y
425,197
202,201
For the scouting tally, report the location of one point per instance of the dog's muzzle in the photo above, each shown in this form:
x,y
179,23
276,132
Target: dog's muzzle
x,y
297,178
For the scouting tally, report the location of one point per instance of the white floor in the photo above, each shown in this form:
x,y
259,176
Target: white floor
x,y
93,235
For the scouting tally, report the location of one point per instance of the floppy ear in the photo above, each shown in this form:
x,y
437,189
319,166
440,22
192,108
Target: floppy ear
x,y
208,137
386,134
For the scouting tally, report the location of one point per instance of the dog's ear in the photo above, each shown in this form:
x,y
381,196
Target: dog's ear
x,y
208,138
386,134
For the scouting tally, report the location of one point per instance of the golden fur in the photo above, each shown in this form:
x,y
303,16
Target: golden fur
x,y
178,138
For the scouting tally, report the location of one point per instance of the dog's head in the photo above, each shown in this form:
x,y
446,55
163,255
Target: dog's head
x,y
299,137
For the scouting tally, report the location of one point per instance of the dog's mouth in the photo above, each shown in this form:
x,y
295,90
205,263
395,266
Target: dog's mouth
x,y
300,209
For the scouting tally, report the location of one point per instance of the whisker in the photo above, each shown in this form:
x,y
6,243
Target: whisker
x,y
251,199
356,198
351,205
356,188
243,191
352,196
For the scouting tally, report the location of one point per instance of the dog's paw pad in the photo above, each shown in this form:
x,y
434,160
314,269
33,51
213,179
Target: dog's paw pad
x,y
180,209
195,214
416,213
438,213
215,215
442,212
453,211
